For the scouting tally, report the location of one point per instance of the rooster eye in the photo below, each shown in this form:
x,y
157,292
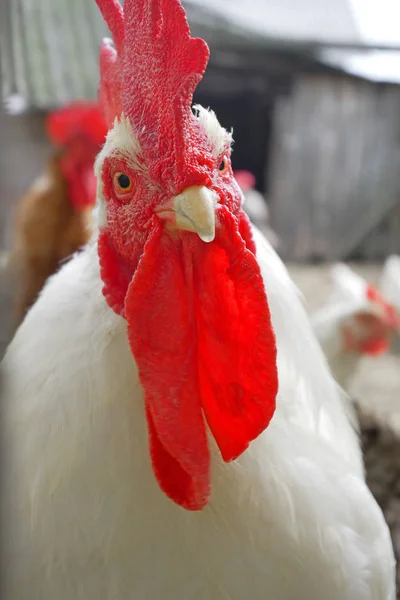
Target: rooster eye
x,y
122,183
223,165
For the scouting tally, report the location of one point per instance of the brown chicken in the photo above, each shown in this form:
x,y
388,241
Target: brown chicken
x,y
53,219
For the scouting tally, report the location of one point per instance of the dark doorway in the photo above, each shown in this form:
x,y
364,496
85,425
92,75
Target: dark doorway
x,y
250,116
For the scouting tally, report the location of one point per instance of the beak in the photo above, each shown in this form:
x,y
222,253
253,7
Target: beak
x,y
192,210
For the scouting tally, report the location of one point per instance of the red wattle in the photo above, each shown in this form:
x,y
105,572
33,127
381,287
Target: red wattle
x,y
115,275
199,328
236,344
163,339
245,232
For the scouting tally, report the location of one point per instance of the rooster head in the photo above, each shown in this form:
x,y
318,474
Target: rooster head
x,y
79,130
176,253
373,328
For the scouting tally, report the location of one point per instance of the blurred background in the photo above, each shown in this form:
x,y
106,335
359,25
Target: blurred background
x,y
309,86
311,89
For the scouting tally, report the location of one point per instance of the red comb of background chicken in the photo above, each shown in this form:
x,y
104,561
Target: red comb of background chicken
x,y
245,179
78,119
80,130
198,318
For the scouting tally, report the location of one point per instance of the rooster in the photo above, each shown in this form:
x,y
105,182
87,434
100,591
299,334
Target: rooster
x,y
53,218
358,320
171,425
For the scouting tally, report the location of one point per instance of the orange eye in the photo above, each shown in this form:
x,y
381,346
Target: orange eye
x,y
122,183
223,165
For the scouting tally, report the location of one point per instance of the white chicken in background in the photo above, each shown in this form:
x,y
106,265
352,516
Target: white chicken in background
x,y
357,320
255,205
151,454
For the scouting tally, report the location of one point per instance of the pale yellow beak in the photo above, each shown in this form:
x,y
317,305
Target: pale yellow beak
x,y
193,210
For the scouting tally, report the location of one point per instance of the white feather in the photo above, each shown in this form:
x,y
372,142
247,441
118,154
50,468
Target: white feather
x,y
256,207
220,139
257,210
290,519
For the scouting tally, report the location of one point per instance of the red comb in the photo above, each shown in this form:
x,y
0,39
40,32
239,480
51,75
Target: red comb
x,y
76,119
153,72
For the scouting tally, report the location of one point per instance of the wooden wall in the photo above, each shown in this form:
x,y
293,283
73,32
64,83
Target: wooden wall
x,y
333,173
335,167
382,240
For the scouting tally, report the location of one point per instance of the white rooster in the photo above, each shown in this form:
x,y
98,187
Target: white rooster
x,y
148,365
358,320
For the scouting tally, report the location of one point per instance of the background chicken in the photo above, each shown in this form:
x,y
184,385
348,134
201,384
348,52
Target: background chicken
x,y
176,320
357,320
53,218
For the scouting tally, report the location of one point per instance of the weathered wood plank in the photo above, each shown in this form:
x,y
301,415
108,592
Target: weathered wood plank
x,y
336,174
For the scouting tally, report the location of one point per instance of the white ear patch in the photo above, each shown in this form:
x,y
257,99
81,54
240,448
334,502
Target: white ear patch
x,y
220,139
120,142
123,142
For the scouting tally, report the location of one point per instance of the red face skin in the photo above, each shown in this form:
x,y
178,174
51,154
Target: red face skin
x,y
151,190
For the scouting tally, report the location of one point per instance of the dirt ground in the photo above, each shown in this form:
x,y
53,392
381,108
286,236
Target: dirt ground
x,y
377,381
